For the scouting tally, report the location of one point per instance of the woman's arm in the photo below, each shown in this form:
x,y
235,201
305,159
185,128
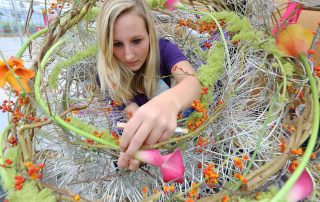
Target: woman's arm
x,y
156,120
188,87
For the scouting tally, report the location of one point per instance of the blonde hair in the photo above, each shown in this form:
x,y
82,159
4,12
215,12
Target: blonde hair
x,y
121,83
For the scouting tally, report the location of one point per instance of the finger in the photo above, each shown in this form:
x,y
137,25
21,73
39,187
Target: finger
x,y
154,136
134,164
128,132
123,161
138,139
165,136
168,132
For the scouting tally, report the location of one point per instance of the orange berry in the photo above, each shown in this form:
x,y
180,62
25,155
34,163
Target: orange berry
x,y
39,176
225,199
283,146
238,162
28,164
18,187
77,197
245,157
31,170
8,161
244,181
171,188
145,189
310,51
41,165
293,151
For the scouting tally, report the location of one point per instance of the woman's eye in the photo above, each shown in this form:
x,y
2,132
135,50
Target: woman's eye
x,y
117,44
136,41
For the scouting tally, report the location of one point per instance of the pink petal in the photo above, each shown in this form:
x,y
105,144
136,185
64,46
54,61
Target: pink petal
x,y
290,16
45,19
173,168
303,187
152,157
171,4
171,165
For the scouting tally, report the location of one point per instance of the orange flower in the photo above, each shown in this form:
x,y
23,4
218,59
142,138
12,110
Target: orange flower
x,y
294,40
20,71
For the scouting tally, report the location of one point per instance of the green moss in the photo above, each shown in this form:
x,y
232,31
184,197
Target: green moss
x,y
92,14
79,56
8,173
209,73
287,67
30,192
153,4
78,123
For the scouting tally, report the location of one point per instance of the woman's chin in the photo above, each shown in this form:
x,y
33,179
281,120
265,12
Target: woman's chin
x,y
134,68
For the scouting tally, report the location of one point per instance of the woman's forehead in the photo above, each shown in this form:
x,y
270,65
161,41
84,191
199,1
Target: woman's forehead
x,y
129,24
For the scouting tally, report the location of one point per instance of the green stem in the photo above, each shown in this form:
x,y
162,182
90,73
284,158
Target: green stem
x,y
54,117
3,173
284,79
280,196
26,43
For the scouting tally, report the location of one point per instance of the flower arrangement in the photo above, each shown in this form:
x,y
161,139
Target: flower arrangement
x,y
248,126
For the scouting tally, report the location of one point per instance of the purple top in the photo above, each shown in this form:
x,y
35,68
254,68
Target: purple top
x,y
170,55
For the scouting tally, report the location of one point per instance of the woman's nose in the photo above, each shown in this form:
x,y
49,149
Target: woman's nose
x,y
129,54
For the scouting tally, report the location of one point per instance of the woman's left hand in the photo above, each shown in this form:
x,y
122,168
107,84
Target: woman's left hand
x,y
153,122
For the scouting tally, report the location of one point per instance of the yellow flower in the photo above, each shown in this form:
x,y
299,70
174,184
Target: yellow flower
x,y
294,40
6,76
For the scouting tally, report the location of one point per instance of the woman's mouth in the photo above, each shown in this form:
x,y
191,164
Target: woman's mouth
x,y
132,63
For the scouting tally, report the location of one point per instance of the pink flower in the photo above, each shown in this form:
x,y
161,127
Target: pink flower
x,y
302,188
172,4
290,16
171,165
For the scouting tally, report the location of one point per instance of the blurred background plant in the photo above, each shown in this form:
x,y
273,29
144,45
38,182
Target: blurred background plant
x,y
13,15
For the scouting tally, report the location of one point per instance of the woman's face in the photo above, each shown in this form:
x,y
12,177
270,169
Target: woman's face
x,y
131,40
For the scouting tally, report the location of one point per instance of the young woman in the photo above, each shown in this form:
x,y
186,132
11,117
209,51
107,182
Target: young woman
x,y
130,62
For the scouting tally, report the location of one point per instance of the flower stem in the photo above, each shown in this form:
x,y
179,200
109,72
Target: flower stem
x,y
280,196
3,174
